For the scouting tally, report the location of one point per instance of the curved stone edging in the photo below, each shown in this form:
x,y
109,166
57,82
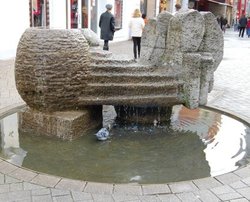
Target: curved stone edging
x,y
51,181
10,109
229,113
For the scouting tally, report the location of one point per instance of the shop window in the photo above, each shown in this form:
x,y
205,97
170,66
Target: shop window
x,y
39,13
74,13
118,14
165,5
143,6
93,13
84,13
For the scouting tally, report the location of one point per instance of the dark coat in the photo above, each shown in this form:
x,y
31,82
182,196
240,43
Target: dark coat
x,y
107,25
243,21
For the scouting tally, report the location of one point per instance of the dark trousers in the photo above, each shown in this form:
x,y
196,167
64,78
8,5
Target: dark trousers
x,y
137,45
241,31
106,45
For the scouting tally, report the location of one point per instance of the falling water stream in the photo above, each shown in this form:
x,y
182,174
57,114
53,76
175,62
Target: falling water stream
x,y
197,143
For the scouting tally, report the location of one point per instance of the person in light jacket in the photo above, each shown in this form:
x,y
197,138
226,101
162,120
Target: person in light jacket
x,y
107,25
136,27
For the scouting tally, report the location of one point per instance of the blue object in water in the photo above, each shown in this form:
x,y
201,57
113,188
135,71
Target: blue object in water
x,y
102,134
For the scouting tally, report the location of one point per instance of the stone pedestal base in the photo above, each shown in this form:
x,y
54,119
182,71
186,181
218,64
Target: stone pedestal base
x,y
144,115
67,125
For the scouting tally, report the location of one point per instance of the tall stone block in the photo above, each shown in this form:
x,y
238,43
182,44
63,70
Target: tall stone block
x,y
66,125
180,37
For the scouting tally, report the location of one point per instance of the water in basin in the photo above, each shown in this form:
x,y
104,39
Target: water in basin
x,y
197,143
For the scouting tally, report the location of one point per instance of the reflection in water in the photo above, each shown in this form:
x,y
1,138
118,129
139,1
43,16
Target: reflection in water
x,y
11,150
198,143
227,148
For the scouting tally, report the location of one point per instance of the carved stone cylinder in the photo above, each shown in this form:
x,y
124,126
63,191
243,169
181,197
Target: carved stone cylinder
x,y
50,68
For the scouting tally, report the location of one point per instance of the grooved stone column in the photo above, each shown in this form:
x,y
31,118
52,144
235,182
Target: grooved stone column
x,y
51,68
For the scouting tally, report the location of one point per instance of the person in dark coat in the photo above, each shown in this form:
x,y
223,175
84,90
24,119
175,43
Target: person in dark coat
x,y
242,25
107,25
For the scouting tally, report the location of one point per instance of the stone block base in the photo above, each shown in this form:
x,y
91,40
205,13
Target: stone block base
x,y
66,125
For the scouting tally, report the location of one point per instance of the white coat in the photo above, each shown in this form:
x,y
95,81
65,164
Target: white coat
x,y
136,26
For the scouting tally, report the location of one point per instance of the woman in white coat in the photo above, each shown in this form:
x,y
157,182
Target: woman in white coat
x,y
136,27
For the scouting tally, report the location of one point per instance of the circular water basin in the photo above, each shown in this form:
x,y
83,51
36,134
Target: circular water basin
x,y
197,143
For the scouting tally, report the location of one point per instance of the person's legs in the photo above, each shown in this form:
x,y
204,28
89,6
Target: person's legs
x,y
224,28
134,47
106,45
139,46
240,30
243,30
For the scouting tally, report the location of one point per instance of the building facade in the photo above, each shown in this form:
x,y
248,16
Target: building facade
x,y
74,14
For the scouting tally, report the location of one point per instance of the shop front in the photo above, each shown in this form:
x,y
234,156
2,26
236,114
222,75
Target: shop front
x,y
39,13
75,14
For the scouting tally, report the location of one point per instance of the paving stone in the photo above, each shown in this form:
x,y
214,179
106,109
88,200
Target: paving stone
x,y
133,201
81,196
6,167
128,189
59,192
243,172
2,179
4,188
225,189
246,181
229,196
20,195
40,192
238,185
245,192
46,180
169,198
188,197
150,198
207,183
239,200
102,198
228,178
66,198
179,187
31,186
4,197
155,189
123,197
16,186
69,184
206,196
99,188
23,174
9,179
42,198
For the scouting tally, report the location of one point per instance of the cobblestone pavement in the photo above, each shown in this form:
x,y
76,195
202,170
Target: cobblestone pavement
x,y
231,93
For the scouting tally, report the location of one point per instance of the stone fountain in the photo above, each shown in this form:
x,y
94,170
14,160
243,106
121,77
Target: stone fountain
x,y
65,79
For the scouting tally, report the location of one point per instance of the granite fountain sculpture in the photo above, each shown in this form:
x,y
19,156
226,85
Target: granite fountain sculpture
x,y
65,80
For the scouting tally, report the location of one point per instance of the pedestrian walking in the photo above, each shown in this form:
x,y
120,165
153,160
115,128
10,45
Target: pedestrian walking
x,y
224,24
177,8
107,25
248,27
136,26
218,20
242,25
144,17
